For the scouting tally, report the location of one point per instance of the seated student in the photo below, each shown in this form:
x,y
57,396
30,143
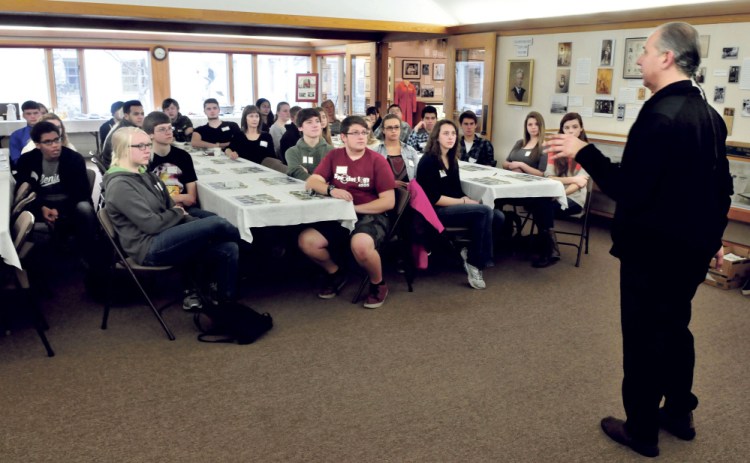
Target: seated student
x,y
325,132
279,125
251,144
132,116
418,138
402,158
172,165
55,119
58,176
333,122
153,230
305,156
104,129
405,128
215,133
373,119
266,115
352,173
473,147
292,134
438,175
182,126
19,138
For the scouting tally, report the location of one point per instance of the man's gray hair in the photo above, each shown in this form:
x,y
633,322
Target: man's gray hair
x,y
684,41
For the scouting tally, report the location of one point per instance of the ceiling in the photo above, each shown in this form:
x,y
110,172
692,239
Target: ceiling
x,y
382,20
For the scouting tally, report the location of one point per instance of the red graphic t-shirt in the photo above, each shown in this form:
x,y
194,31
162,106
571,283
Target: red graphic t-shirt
x,y
364,178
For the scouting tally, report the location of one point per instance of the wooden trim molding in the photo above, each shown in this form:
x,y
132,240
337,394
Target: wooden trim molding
x,y
739,214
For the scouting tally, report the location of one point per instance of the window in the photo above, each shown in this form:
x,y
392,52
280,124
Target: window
x,y
195,77
360,84
243,80
103,87
332,81
277,78
31,84
67,82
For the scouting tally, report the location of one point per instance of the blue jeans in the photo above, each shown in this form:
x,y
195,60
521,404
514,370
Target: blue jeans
x,y
212,240
479,219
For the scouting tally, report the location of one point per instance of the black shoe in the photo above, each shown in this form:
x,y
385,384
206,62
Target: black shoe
x,y
615,430
544,261
332,284
681,427
746,288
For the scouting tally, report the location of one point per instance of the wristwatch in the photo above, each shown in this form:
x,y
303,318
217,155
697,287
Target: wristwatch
x,y
330,189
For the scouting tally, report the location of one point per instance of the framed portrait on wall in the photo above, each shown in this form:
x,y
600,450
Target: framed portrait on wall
x,y
411,69
307,87
607,52
633,49
520,82
564,53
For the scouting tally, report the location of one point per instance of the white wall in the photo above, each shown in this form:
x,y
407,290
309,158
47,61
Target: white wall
x,y
508,120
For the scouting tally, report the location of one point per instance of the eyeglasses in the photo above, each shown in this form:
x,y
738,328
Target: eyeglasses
x,y
165,129
363,133
143,146
393,127
54,141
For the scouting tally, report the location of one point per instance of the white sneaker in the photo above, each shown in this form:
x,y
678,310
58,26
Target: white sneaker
x,y
475,278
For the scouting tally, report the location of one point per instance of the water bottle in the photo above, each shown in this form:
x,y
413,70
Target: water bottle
x,y
11,115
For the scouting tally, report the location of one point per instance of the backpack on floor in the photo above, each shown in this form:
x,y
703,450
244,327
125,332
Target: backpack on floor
x,y
231,322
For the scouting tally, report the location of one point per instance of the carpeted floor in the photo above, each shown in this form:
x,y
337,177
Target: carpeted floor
x,y
520,372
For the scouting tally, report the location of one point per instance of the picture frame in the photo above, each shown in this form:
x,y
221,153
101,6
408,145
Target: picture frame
x,y
607,53
564,53
307,87
604,81
704,40
633,49
438,71
520,82
411,69
426,69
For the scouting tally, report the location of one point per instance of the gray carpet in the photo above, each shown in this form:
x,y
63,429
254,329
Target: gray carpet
x,y
520,372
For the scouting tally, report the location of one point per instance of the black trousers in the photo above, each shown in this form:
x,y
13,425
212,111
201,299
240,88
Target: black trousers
x,y
658,352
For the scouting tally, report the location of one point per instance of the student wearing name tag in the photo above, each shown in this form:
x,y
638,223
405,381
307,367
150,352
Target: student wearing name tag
x,y
402,158
215,133
251,144
474,148
418,137
304,157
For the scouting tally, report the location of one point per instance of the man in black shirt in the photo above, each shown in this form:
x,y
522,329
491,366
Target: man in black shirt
x,y
216,133
182,125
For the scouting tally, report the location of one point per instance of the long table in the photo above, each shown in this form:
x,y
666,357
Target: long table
x,y
486,184
249,196
7,250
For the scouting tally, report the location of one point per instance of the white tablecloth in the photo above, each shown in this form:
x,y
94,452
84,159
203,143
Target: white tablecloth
x,y
7,250
486,184
249,195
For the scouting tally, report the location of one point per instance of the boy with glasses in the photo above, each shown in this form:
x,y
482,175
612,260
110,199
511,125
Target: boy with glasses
x,y
358,174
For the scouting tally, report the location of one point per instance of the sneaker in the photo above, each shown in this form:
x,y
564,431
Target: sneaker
x,y
332,284
191,301
377,296
475,278
681,427
746,288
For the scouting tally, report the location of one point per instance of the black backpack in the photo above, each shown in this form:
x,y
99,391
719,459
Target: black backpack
x,y
231,322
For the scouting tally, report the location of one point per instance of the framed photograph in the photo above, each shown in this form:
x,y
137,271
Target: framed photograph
x,y
604,81
562,80
633,49
719,93
307,87
428,91
730,52
604,107
704,39
411,69
520,82
700,76
734,74
426,70
606,53
438,71
417,88
564,53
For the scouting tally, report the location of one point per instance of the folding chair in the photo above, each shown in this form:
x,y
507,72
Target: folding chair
x,y
583,233
119,262
391,237
21,230
97,161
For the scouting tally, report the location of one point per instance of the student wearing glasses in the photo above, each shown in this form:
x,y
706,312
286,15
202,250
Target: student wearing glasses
x,y
57,175
155,231
357,174
402,158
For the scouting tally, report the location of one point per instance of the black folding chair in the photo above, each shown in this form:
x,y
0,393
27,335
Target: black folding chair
x,y
585,224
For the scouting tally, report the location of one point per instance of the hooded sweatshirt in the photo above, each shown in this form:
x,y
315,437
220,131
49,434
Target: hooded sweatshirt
x,y
303,156
140,208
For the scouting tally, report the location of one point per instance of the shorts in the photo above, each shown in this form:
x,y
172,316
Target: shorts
x,y
374,225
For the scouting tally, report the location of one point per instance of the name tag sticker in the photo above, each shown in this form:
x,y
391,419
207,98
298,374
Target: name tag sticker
x,y
264,143
472,160
411,163
342,170
225,129
173,170
443,174
527,154
423,144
